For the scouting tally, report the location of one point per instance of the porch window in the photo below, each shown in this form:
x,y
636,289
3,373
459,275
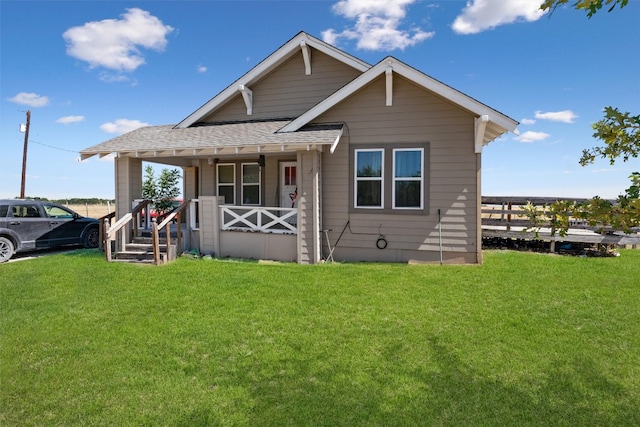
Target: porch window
x,y
251,184
227,182
369,167
408,184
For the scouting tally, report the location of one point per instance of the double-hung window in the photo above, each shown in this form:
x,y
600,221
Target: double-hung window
x,y
408,183
251,184
227,182
391,178
369,179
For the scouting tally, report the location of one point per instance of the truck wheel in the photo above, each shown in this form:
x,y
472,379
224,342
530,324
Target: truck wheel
x,y
6,249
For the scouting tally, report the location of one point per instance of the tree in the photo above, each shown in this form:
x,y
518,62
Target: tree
x,y
162,191
591,6
620,133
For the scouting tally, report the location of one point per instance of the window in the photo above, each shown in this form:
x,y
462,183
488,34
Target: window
x,y
227,182
250,184
57,212
390,178
369,176
408,184
26,211
290,175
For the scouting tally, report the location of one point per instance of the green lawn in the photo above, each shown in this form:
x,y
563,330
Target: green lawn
x,y
524,340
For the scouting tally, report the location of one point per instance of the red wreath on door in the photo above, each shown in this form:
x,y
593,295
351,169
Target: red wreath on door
x,y
293,196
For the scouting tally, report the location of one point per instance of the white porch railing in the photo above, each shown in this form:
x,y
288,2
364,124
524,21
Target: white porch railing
x,y
262,219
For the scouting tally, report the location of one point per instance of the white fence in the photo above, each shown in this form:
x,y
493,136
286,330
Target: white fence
x,y
261,219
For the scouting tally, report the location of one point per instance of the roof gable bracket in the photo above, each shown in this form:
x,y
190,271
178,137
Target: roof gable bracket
x,y
480,127
247,95
389,76
335,143
306,55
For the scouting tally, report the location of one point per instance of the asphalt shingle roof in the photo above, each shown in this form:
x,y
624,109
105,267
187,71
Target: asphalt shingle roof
x,y
225,135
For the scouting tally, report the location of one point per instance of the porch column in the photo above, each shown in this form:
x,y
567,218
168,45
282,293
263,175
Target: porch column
x,y
209,225
190,182
128,185
309,233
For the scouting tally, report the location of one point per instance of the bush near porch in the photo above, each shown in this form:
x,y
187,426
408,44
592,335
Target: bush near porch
x,y
526,339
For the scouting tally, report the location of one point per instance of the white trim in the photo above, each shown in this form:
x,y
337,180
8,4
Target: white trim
x,y
288,50
226,184
251,184
247,95
389,77
480,128
477,108
394,179
379,179
306,56
337,141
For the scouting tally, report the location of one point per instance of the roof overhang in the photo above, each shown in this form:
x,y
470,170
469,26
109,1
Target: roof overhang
x,y
239,138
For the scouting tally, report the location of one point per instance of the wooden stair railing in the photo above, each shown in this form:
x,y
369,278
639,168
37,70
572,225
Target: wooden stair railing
x,y
109,232
156,228
105,218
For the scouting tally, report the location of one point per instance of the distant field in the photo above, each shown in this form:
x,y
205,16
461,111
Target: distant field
x,y
92,211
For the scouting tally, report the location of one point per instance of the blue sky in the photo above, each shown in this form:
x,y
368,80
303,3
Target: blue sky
x,y
91,70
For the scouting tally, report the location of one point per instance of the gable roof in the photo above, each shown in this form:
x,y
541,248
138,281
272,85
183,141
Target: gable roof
x,y
286,51
495,123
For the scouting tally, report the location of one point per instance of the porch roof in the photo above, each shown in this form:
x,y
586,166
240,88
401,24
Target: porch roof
x,y
216,139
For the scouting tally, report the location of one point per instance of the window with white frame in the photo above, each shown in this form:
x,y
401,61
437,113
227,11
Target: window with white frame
x,y
369,178
227,182
390,178
251,184
408,178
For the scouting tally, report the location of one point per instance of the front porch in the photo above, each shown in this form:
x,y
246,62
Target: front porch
x,y
243,232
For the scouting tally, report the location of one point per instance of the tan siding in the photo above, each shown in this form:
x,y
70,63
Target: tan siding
x,y
287,91
207,187
416,116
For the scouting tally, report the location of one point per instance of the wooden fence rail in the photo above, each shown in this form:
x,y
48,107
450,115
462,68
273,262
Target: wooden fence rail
x,y
505,217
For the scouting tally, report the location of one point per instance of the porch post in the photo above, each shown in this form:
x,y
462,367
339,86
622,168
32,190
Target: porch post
x,y
309,181
128,185
209,213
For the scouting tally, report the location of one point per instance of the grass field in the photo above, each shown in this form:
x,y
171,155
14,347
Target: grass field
x,y
524,340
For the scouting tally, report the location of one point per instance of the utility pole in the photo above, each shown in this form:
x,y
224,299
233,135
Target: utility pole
x,y
24,154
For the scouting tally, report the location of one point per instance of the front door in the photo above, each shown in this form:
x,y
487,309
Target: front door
x,y
288,185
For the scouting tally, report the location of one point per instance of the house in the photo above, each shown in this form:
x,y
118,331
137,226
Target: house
x,y
315,153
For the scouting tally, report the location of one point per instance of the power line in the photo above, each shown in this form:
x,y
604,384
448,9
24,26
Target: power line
x,y
55,148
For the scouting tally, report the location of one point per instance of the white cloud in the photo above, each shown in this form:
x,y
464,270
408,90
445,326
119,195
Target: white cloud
x,y
481,15
201,69
527,121
116,78
566,116
30,99
530,136
122,126
113,43
377,25
70,119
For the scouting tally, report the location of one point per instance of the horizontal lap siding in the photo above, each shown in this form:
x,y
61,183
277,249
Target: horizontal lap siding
x,y
416,116
288,91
